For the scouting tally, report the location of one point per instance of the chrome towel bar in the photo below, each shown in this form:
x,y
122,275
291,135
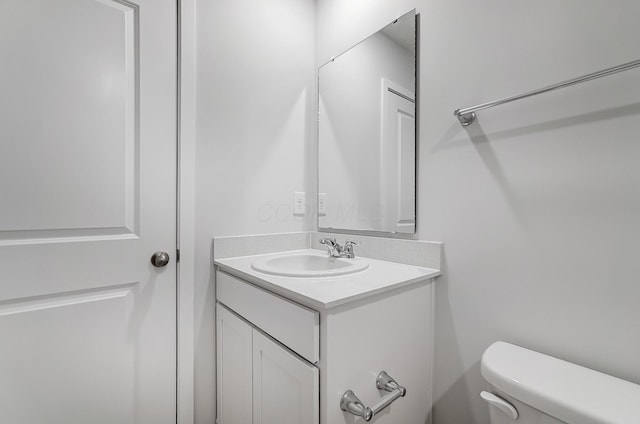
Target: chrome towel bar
x,y
349,402
467,116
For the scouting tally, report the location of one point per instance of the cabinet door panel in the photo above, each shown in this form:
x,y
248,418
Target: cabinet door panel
x,y
234,340
285,388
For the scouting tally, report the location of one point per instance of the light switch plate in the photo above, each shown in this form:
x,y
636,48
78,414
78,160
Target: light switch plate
x,y
322,204
299,203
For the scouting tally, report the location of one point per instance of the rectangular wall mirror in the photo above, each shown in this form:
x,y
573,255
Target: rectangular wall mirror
x,y
367,134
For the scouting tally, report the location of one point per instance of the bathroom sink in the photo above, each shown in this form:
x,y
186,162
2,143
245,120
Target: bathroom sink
x,y
309,264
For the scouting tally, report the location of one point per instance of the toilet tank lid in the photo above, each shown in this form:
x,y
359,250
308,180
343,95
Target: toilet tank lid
x,y
564,390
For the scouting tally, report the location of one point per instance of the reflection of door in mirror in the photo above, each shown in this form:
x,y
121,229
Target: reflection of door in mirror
x,y
397,165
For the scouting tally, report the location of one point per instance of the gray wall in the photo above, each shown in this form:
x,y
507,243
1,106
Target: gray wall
x,y
539,204
255,99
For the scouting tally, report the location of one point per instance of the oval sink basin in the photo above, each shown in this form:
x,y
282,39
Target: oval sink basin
x,y
309,264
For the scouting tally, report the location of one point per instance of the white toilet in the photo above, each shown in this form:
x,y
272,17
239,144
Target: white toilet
x,y
528,387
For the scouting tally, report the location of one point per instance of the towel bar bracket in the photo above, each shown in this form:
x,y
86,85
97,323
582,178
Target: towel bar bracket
x,y
466,119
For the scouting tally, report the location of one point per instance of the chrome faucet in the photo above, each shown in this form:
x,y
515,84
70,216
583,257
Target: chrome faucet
x,y
337,251
333,246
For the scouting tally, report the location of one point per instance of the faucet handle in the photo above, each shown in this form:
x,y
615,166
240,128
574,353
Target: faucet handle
x,y
348,248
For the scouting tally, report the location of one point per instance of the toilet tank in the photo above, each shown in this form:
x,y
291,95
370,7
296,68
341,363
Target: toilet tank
x,y
558,389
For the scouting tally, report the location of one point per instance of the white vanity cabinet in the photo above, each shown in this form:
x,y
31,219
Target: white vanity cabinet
x,y
261,381
283,361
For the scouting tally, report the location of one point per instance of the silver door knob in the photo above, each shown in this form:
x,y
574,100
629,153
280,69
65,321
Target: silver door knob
x,y
160,259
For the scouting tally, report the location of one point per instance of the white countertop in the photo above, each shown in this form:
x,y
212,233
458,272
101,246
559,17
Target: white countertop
x,y
327,292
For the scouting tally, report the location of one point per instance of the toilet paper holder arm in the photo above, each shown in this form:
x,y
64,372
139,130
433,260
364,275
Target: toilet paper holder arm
x,y
349,402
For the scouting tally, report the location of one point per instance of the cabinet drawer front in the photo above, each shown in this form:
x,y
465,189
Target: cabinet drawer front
x,y
291,324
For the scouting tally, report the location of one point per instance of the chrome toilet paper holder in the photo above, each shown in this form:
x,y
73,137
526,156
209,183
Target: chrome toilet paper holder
x,y
349,402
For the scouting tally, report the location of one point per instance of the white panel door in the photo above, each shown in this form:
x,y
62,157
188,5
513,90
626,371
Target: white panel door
x,y
285,388
87,195
234,362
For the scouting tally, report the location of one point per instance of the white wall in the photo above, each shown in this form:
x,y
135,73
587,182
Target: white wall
x,y
255,104
539,204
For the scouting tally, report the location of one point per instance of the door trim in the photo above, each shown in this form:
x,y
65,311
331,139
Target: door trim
x,y
186,71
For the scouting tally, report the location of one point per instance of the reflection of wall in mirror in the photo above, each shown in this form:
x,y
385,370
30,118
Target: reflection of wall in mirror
x,y
350,130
